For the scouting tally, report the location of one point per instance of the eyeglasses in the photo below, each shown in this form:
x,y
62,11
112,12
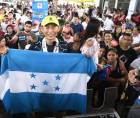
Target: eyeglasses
x,y
68,33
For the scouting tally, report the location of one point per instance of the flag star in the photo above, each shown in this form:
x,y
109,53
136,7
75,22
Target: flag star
x,y
33,87
58,77
33,75
57,88
45,83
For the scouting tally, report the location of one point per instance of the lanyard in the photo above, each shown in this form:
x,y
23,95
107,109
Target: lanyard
x,y
44,47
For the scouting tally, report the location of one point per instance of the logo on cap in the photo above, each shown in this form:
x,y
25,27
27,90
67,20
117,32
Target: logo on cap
x,y
50,19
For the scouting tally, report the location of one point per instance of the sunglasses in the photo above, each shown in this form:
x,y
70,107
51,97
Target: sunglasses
x,y
68,33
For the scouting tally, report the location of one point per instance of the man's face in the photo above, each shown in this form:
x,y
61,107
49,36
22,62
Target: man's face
x,y
76,20
135,31
127,40
27,27
50,31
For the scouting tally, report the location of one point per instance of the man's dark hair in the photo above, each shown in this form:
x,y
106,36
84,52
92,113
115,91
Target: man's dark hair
x,y
107,32
28,22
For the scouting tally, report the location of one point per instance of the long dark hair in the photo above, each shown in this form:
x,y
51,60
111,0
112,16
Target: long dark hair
x,y
92,28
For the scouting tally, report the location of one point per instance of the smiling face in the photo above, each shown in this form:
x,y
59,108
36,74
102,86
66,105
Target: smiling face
x,y
50,31
108,38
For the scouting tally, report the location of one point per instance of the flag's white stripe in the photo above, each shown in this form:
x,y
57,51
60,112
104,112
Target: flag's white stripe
x,y
3,81
68,83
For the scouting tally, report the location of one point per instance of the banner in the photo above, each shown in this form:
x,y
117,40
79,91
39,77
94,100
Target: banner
x,y
40,10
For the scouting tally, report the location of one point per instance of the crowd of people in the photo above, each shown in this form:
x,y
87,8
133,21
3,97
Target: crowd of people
x,y
108,37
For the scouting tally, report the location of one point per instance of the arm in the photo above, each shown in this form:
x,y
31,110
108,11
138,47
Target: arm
x,y
14,39
123,69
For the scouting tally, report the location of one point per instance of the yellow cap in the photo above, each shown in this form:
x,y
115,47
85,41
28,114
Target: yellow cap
x,y
50,19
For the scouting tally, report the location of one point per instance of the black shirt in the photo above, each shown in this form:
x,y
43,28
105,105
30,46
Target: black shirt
x,y
116,73
50,48
127,56
62,45
8,37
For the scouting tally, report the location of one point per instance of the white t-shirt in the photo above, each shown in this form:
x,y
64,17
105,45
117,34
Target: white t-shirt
x,y
136,63
84,24
136,39
3,26
108,24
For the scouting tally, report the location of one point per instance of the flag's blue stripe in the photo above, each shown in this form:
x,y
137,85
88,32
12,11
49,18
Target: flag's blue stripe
x,y
29,102
32,61
3,64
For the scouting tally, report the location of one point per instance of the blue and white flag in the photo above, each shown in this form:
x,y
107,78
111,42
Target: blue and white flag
x,y
49,82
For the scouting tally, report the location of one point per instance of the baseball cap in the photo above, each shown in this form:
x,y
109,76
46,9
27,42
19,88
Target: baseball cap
x,y
50,19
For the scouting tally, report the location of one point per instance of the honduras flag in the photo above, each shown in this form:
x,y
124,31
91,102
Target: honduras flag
x,y
48,82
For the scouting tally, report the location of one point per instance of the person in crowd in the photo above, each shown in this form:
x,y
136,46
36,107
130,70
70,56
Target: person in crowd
x,y
9,35
85,21
11,19
118,72
102,52
4,23
100,39
136,38
109,41
116,75
24,37
76,25
91,46
108,24
75,46
67,34
2,14
134,79
135,18
125,52
117,33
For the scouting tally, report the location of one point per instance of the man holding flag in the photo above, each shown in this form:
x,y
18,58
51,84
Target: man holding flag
x,y
50,82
